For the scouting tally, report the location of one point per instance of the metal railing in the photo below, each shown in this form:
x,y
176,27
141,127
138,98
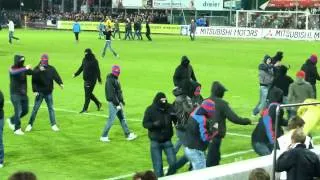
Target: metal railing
x,y
280,106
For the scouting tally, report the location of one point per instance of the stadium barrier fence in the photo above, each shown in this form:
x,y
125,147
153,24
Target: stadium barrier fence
x,y
234,171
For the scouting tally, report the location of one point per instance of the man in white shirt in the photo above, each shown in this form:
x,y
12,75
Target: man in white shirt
x,y
11,31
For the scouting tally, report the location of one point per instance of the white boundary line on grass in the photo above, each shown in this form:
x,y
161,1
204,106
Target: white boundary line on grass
x,y
105,116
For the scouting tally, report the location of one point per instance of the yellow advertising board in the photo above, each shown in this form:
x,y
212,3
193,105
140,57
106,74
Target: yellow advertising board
x,y
93,26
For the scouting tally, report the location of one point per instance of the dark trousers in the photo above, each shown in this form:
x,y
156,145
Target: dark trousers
x,y
148,36
314,90
1,142
76,34
116,31
183,160
214,155
128,35
37,103
12,37
20,105
192,36
88,95
156,149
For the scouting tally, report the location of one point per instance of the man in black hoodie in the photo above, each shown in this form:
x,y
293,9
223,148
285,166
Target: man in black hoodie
x,y
312,75
42,85
223,112
183,72
116,103
1,129
18,90
262,137
158,119
91,73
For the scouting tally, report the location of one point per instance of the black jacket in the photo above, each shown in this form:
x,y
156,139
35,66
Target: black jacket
x,y
90,68
113,90
282,80
1,106
158,119
147,28
18,76
223,110
300,163
311,71
191,138
183,72
42,81
259,134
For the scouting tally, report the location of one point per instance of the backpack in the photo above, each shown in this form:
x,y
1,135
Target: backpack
x,y
268,125
183,107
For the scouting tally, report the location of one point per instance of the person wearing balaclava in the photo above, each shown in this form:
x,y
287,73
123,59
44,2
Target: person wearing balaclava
x,y
158,119
223,112
266,75
91,73
116,104
311,72
18,91
42,86
183,72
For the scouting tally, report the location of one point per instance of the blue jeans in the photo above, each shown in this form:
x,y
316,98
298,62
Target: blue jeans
x,y
196,157
214,154
156,149
128,35
262,100
21,108
113,112
183,160
261,149
37,103
106,46
1,142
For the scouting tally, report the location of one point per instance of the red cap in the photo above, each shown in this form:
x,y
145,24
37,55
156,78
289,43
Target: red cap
x,y
301,74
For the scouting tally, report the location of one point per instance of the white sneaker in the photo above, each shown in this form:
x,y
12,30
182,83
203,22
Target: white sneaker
x,y
131,136
11,126
55,128
105,139
18,132
1,165
28,128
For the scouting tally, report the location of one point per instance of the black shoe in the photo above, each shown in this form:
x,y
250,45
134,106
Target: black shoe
x,y
99,106
83,111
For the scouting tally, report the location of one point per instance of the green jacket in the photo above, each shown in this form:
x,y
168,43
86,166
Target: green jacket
x,y
299,91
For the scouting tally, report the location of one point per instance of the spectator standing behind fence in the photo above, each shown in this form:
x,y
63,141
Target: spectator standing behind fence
x,y
116,103
42,85
76,30
1,129
193,28
312,75
148,32
299,162
11,31
158,119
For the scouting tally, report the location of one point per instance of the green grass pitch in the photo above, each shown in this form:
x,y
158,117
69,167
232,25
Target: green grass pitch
x,y
75,152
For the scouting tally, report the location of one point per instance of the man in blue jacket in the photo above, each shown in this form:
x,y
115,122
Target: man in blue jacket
x,y
76,30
